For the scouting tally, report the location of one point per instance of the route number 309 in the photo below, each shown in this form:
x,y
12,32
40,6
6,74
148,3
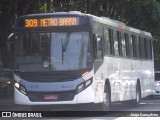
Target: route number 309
x,y
31,23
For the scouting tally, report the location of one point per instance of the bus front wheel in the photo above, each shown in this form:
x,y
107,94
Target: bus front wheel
x,y
106,99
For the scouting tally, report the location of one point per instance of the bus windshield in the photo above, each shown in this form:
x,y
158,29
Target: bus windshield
x,y
55,51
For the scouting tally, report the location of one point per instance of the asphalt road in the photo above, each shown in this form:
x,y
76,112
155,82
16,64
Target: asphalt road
x,y
147,106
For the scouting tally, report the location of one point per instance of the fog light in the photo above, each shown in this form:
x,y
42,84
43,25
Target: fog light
x,y
8,82
88,82
23,90
84,85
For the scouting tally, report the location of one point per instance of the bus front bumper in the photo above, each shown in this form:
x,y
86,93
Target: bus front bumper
x,y
85,96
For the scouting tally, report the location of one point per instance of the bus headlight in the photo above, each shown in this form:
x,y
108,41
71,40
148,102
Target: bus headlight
x,y
21,88
17,85
84,85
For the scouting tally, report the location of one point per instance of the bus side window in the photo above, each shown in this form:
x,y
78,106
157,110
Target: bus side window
x,y
129,49
116,47
142,49
146,48
137,47
149,49
130,46
106,41
119,37
123,42
98,47
127,44
134,46
111,41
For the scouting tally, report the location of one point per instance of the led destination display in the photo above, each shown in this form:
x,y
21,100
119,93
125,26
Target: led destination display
x,y
49,22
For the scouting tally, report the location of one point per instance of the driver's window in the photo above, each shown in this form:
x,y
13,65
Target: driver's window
x,y
98,47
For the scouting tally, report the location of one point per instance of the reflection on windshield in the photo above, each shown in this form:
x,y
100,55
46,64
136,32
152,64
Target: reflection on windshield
x,y
76,53
32,50
52,51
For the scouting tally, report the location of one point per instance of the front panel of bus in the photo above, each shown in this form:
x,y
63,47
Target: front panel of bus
x,y
53,60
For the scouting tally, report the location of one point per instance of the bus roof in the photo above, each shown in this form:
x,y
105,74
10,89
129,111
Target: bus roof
x,y
104,20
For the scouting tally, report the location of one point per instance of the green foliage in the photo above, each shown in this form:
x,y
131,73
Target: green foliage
x,y
141,14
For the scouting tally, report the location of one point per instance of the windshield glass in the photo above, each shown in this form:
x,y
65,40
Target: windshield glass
x,y
32,51
69,51
56,51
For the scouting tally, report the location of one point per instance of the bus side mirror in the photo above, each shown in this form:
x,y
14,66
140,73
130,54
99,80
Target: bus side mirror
x,y
10,43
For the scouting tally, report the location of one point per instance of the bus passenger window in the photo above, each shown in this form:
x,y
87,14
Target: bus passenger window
x,y
115,43
98,47
111,41
142,49
149,49
130,46
129,49
145,48
119,42
123,42
127,44
137,47
134,46
106,41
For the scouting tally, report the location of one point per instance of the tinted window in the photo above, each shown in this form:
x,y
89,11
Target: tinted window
x,y
134,46
116,43
150,49
111,41
142,48
127,44
157,76
106,41
130,46
137,47
97,28
119,37
123,42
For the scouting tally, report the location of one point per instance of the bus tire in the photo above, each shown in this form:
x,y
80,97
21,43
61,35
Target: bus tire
x,y
106,99
136,102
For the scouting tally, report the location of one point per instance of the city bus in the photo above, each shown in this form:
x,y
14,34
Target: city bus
x,y
73,58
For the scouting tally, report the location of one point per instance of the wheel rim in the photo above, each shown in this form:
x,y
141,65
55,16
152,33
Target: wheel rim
x,y
138,95
106,100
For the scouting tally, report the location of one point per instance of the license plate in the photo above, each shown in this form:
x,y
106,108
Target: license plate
x,y
50,97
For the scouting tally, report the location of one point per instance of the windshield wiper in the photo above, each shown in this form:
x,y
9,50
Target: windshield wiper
x,y
66,42
64,46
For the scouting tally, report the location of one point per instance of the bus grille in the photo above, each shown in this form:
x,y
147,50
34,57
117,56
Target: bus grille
x,y
49,76
61,96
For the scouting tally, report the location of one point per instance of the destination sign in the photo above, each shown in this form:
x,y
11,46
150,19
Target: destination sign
x,y
51,22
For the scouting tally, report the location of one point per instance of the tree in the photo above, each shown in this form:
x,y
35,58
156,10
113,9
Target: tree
x,y
141,14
